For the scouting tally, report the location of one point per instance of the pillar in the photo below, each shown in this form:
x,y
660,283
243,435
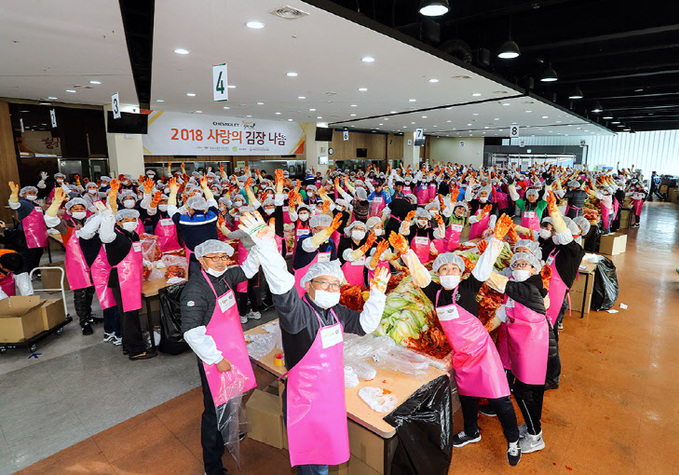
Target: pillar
x,y
125,151
312,149
9,169
411,153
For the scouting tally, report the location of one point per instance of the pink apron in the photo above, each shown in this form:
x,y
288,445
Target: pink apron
x,y
130,271
557,290
242,287
422,195
77,270
7,285
377,205
528,343
299,273
431,192
353,271
407,190
502,201
316,406
478,369
530,219
35,228
286,215
605,216
140,227
479,227
227,332
452,239
302,230
167,235
420,244
637,206
100,272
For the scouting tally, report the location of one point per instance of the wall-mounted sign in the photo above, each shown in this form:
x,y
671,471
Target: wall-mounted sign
x,y
522,143
174,133
583,143
115,105
461,143
220,89
53,117
345,135
514,131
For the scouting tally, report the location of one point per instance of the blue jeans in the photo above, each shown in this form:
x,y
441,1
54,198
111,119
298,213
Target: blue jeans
x,y
312,470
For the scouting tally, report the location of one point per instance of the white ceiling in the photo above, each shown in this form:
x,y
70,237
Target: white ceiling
x,y
47,47
326,50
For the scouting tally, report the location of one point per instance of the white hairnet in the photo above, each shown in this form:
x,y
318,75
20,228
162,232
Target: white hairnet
x,y
448,258
127,213
462,204
212,246
105,178
526,256
572,227
224,200
269,201
361,194
92,184
345,204
574,184
59,175
246,209
320,220
487,188
422,213
75,201
26,189
533,192
197,203
125,194
303,207
546,219
331,268
412,198
372,222
347,229
434,205
312,188
583,224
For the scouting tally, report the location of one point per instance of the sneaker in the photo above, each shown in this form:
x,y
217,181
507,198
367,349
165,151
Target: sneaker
x,y
254,315
560,327
550,384
461,439
487,410
87,329
109,337
523,431
117,341
96,320
513,453
147,355
531,443
244,319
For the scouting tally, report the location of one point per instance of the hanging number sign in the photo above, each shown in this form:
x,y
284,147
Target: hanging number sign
x,y
220,89
115,105
514,131
53,117
345,135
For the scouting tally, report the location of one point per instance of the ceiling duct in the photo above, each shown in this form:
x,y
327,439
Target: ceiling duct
x,y
289,13
458,49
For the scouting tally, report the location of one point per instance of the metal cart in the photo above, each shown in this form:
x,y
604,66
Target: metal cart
x,y
31,344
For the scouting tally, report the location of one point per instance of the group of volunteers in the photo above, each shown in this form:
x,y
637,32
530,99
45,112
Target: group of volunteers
x,y
341,227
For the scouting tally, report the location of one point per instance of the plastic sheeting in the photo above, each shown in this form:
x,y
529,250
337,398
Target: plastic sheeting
x,y
230,413
171,336
424,425
606,287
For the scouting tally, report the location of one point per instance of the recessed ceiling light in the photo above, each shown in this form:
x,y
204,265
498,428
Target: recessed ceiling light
x,y
469,125
354,105
52,98
528,112
181,51
386,118
231,86
608,117
368,59
319,117
392,112
248,115
292,74
476,94
475,113
433,80
545,117
486,127
278,113
95,82
260,103
312,110
506,103
191,94
616,122
412,100
363,89
255,25
226,107
71,90
289,120
405,126
160,100
353,115
449,121
497,118
301,97
424,116
353,126
412,123
381,124
199,112
641,89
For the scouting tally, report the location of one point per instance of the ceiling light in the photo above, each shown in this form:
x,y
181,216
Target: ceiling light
x,y
353,115
434,7
497,118
226,107
548,75
181,51
301,97
597,108
319,117
477,94
412,100
386,118
469,125
545,117
424,116
354,105
392,112
52,98
449,121
433,80
528,112
277,113
368,59
312,110
506,103
231,86
289,120
509,50
291,74
199,112
363,89
255,25
576,93
248,115
95,82
191,94
260,103
71,90
486,127
641,89
607,117
160,100
381,124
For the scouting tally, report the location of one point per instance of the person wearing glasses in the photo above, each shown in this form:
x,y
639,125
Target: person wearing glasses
x,y
212,328
312,327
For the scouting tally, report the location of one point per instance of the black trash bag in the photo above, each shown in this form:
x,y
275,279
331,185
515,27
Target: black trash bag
x,y
171,336
424,425
606,287
594,238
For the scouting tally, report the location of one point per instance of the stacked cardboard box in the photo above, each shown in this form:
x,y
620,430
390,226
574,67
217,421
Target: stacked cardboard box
x,y
625,215
612,244
578,291
21,318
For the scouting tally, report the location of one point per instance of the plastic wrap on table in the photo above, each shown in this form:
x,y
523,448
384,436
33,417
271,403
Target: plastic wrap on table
x,y
175,266
150,248
229,412
261,344
171,335
350,377
153,274
424,425
606,286
379,399
360,368
403,360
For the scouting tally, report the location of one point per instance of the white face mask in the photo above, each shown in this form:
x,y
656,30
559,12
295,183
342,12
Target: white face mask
x,y
129,204
449,282
545,233
31,197
421,222
79,214
215,273
303,217
92,192
162,208
269,210
520,275
378,232
357,235
483,199
326,299
237,204
130,226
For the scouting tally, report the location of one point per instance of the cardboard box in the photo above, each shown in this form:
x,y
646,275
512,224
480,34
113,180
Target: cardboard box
x,y
663,188
612,244
625,216
265,419
367,446
673,195
51,279
354,466
20,318
52,311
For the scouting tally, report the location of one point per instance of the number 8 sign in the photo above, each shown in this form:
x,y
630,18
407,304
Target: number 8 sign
x,y
514,131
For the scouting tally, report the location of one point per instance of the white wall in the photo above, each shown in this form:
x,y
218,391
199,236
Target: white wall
x,y
448,149
125,152
651,151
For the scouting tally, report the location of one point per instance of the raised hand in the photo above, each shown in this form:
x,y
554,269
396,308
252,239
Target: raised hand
x,y
379,250
148,186
14,187
398,242
203,181
502,227
380,281
326,207
454,193
486,209
115,186
551,202
248,182
336,222
438,218
410,216
254,225
368,243
173,186
156,199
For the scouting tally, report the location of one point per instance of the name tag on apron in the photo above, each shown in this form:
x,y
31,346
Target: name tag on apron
x,y
456,227
529,214
422,240
510,303
331,336
226,301
323,257
302,232
38,209
286,209
136,246
359,262
166,222
77,233
377,200
447,313
550,259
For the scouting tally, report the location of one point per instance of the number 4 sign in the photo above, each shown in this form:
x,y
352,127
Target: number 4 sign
x,y
514,131
220,90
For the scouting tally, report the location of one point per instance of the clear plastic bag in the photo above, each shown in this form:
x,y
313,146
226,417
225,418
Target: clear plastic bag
x,y
350,378
261,344
155,274
229,410
379,400
150,249
401,359
175,266
362,369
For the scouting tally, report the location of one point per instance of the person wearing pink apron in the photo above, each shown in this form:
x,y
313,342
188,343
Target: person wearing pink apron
x,y
638,197
212,328
606,204
456,224
352,252
123,251
431,190
422,194
32,223
379,199
166,231
422,235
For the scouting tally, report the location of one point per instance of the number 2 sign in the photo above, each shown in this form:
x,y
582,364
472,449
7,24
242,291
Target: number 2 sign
x,y
220,90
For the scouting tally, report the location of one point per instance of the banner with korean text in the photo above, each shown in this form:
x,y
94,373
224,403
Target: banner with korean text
x,y
175,133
